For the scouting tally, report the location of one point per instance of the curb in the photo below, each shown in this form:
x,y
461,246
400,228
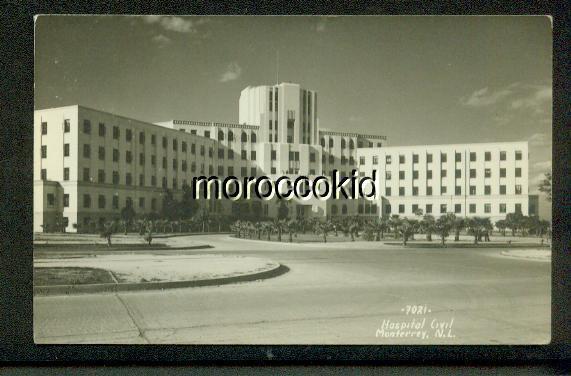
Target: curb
x,y
121,287
532,258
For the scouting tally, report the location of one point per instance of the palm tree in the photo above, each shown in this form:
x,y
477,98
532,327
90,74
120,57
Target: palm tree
x,y
291,228
442,227
502,225
395,222
322,228
379,226
514,221
268,227
458,224
280,226
427,226
545,186
107,231
476,226
258,228
406,229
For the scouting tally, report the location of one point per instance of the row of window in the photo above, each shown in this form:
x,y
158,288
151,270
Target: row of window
x,y
457,208
102,202
457,190
360,143
457,173
362,209
444,157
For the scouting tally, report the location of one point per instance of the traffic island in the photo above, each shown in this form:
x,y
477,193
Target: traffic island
x,y
137,272
529,254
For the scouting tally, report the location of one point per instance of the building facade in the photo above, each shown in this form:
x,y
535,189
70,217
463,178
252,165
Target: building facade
x,y
89,164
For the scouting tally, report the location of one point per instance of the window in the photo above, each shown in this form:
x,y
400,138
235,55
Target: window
x,y
66,200
193,149
116,133
153,139
472,157
362,160
415,158
128,156
487,190
184,166
401,208
66,173
253,138
457,190
86,201
274,156
401,159
115,202
141,180
502,189
442,208
141,138
518,172
443,190
165,142
44,151
472,208
66,126
153,181
472,173
101,202
44,127
518,155
458,157
141,159
429,191
207,134
128,178
487,208
202,150
193,167
210,152
443,157
230,136
443,173
86,174
253,171
502,208
174,164
221,153
174,145
243,171
164,162
142,202
128,135
101,176
401,175
153,203
429,174
86,126
428,208
230,170
415,174
457,208
428,158
518,189
518,208
86,151
184,147
115,177
375,159
458,174
487,156
253,155
488,173
414,208
44,174
66,150
472,190
230,154
502,172
388,159
401,191
101,130
331,143
388,191
101,153
115,155
415,191
502,155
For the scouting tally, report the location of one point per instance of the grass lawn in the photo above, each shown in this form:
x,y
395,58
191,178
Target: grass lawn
x,y
308,238
70,276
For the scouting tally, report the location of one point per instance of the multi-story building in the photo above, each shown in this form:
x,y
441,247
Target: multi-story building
x,y
89,164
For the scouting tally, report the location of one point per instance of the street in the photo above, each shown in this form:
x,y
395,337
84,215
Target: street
x,y
338,293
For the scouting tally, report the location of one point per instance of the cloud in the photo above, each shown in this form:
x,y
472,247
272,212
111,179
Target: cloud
x,y
537,100
539,140
233,71
177,24
161,39
485,97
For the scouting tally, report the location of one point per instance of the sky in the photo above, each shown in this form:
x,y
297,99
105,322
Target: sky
x,y
416,80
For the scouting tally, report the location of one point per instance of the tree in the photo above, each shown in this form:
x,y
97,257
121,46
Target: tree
x,y
171,208
149,235
279,226
406,229
283,210
458,224
394,223
514,221
545,186
291,228
127,215
188,205
322,228
378,226
442,227
427,226
502,225
477,226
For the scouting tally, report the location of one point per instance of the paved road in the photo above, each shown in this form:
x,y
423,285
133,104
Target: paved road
x,y
333,295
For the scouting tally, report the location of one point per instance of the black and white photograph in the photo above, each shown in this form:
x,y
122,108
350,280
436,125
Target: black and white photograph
x,y
292,180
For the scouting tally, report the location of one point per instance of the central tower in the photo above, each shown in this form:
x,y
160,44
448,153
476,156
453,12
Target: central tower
x,y
286,113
